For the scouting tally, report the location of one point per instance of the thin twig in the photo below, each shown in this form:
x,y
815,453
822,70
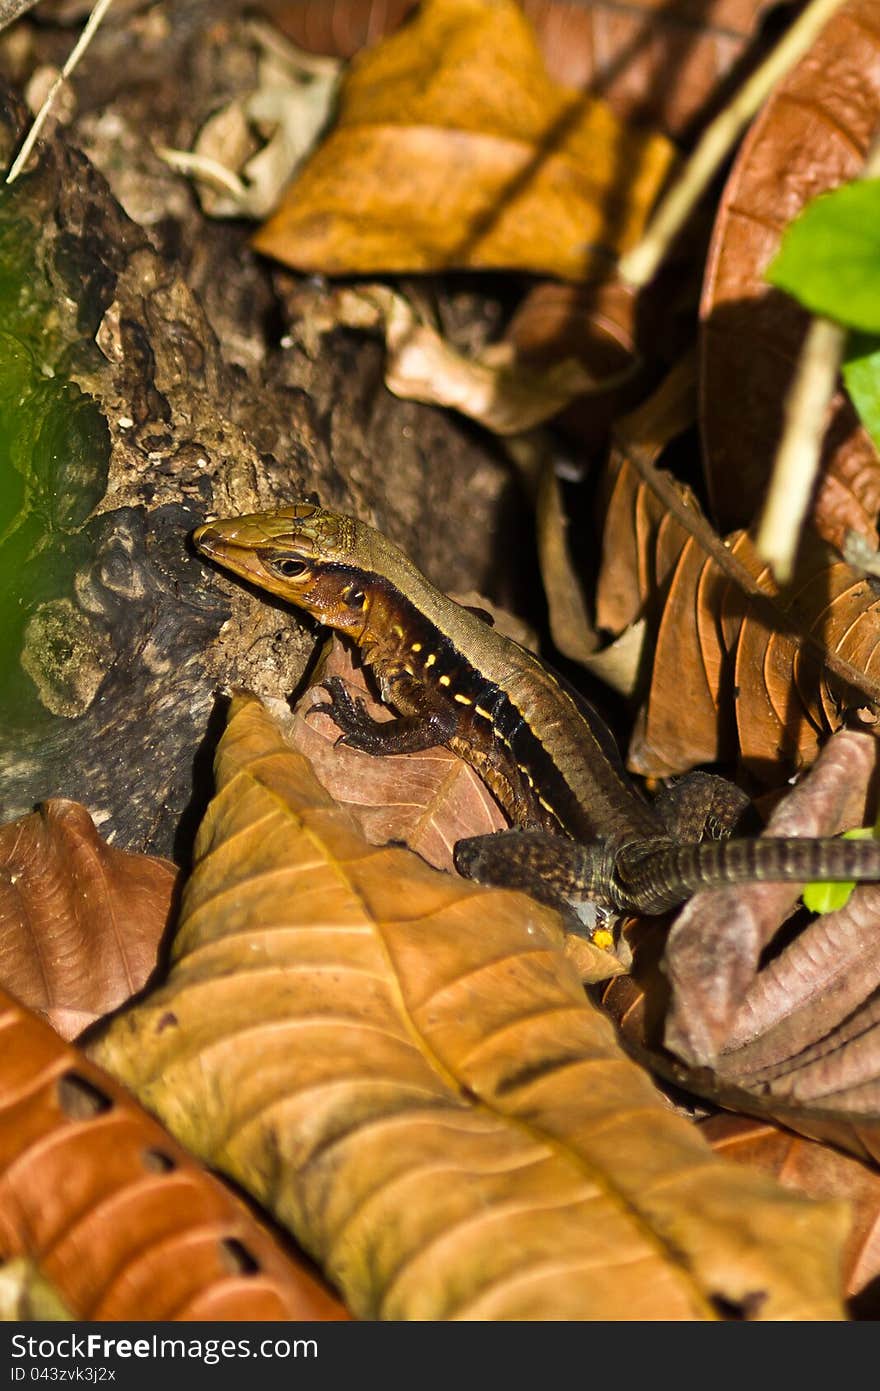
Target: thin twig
x,y
798,455
79,48
797,459
639,265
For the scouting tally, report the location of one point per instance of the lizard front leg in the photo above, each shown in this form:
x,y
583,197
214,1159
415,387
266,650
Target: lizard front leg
x,y
431,724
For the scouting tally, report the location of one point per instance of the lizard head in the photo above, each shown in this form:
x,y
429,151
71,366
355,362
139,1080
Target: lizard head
x,y
311,557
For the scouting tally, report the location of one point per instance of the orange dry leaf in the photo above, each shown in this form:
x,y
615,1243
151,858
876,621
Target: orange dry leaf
x,y
405,1069
114,1215
80,922
659,61
453,147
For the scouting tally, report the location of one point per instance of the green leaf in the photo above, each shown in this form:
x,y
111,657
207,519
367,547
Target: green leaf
x,y
831,895
830,256
861,373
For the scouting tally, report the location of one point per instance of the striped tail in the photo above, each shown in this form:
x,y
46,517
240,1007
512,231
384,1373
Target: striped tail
x,y
654,880
654,876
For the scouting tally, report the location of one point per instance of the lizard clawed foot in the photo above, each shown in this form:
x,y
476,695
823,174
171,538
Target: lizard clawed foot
x,y
358,728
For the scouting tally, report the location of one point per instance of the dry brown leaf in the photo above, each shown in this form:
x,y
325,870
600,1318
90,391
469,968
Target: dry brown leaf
x,y
655,61
117,1218
638,1002
80,922
403,1067
454,148
570,625
758,682
770,672
812,135
636,556
818,1171
691,636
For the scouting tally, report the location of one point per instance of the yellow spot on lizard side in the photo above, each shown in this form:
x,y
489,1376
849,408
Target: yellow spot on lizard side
x,y
462,699
416,647
445,681
430,659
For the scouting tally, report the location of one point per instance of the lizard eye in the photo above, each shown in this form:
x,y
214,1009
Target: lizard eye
x,y
290,566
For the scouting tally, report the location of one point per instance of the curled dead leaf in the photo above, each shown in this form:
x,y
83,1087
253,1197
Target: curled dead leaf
x,y
775,1016
770,671
716,942
594,325
437,1111
422,366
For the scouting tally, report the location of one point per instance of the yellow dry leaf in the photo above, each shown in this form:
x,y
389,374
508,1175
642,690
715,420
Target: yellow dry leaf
x,y
454,148
404,1069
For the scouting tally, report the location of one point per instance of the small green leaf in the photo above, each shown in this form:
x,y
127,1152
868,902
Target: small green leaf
x,y
830,256
861,373
828,897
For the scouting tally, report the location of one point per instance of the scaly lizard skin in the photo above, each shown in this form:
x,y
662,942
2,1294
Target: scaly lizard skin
x,y
584,832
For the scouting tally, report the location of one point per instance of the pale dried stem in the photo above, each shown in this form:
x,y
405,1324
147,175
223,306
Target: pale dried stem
x,y
796,465
203,167
797,459
79,48
639,265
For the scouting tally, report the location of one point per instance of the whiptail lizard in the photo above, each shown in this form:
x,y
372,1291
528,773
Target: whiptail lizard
x,y
583,830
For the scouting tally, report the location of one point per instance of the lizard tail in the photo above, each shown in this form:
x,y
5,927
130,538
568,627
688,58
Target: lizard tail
x,y
654,880
652,877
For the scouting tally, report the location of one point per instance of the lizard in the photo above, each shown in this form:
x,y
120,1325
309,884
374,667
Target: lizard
x,y
582,832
